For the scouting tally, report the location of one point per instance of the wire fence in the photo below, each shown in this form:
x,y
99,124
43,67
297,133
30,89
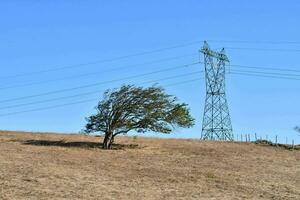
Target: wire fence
x,y
274,139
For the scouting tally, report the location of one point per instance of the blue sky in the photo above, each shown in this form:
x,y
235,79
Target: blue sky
x,y
42,35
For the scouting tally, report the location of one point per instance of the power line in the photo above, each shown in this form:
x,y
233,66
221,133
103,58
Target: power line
x,y
140,64
48,107
253,42
268,73
157,51
183,82
20,85
78,102
262,49
157,72
94,92
264,76
99,83
265,68
103,60
94,99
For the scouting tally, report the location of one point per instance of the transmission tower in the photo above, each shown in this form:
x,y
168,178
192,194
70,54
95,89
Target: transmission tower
x,y
216,119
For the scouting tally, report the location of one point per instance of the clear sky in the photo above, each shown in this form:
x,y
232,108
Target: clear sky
x,y
42,35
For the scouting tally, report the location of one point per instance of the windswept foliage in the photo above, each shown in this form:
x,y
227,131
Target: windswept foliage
x,y
140,109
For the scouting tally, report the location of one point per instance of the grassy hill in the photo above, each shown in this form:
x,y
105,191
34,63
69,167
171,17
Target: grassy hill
x,y
54,166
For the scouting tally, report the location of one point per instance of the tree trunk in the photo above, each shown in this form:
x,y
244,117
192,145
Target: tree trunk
x,y
108,140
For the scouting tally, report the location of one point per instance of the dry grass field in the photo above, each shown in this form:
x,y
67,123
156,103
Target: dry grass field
x,y
53,166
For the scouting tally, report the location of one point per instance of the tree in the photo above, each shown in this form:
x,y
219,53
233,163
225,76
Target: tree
x,y
136,108
297,129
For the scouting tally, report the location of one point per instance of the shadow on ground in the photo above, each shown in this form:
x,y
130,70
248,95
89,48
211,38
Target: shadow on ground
x,y
62,143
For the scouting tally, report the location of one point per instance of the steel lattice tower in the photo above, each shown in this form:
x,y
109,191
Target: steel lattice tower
x,y
216,119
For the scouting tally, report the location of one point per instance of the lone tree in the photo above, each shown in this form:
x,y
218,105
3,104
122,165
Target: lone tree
x,y
137,108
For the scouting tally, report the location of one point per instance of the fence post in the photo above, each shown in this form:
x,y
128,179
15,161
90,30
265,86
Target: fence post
x,y
276,139
255,136
286,140
249,137
292,144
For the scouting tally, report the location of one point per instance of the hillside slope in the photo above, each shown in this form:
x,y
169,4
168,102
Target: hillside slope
x,y
53,166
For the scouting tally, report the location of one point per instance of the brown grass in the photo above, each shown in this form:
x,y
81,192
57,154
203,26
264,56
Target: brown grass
x,y
53,166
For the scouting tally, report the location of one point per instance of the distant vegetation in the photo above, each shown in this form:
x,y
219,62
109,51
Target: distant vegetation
x,y
137,108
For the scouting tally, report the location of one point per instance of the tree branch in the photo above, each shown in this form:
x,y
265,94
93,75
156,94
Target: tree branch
x,y
121,132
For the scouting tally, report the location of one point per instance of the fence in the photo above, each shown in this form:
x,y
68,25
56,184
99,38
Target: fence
x,y
274,139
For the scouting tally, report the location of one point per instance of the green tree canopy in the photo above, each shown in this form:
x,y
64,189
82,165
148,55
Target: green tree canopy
x,y
140,109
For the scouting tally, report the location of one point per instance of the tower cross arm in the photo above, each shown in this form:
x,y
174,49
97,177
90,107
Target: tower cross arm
x,y
219,55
